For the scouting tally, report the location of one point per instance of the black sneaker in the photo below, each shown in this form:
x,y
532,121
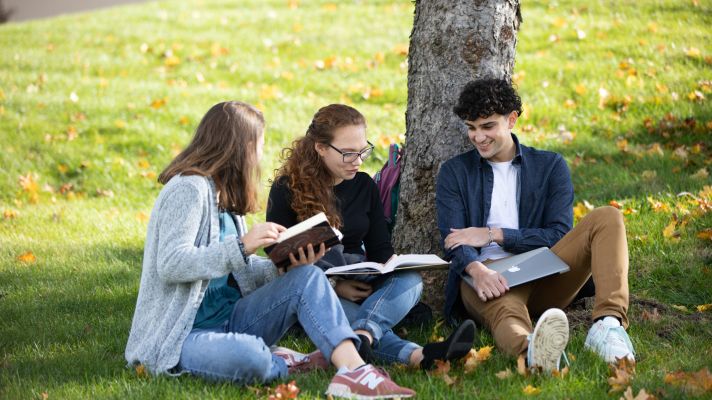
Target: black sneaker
x,y
456,346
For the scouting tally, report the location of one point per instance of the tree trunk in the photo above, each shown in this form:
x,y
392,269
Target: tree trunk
x,y
452,42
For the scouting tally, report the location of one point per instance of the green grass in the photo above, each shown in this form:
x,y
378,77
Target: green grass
x,y
66,316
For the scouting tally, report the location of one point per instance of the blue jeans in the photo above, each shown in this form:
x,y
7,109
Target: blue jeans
x,y
393,297
239,351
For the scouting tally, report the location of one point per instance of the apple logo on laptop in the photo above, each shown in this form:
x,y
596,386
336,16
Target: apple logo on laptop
x,y
514,268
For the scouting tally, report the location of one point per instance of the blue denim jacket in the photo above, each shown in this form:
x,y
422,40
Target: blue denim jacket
x,y
463,197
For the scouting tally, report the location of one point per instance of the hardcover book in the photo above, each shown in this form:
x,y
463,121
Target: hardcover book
x,y
398,263
314,230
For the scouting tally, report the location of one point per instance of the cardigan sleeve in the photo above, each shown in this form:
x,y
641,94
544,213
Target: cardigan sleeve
x,y
179,217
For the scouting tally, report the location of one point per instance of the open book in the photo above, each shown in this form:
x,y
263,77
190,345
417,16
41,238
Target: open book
x,y
397,263
314,230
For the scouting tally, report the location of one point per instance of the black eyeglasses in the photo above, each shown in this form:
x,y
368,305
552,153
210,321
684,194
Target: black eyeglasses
x,y
351,156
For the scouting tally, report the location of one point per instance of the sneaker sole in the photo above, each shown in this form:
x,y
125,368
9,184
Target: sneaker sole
x,y
550,337
342,391
463,337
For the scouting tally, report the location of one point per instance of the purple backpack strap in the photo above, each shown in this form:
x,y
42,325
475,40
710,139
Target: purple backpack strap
x,y
387,178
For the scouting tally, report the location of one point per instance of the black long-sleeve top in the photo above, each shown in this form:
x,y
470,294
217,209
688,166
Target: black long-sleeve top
x,y
361,215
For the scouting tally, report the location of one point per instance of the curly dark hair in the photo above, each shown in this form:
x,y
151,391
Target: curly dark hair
x,y
304,171
483,98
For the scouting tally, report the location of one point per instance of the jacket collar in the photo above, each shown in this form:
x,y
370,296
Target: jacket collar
x,y
517,155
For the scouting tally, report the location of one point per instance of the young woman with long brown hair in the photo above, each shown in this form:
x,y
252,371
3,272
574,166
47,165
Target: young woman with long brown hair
x,y
321,174
207,305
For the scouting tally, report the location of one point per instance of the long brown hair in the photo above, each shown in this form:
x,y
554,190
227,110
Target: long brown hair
x,y
306,175
224,147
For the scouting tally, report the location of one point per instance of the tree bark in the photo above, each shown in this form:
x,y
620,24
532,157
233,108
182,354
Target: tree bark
x,y
452,42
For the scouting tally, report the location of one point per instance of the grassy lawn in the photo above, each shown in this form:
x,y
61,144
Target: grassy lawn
x,y
94,105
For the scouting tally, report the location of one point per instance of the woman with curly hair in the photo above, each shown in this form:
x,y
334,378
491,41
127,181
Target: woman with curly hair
x,y
321,174
209,307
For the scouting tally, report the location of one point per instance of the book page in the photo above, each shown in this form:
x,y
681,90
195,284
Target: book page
x,y
358,268
413,259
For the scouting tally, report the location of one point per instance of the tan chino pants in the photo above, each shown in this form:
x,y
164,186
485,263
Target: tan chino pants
x,y
596,246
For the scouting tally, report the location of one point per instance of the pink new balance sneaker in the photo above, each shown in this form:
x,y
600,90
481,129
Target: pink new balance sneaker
x,y
299,362
366,382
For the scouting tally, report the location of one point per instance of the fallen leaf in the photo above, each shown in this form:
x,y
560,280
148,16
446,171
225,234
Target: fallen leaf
x,y
621,373
141,371
45,396
653,316
507,373
696,383
158,103
642,395
442,368
9,214
476,357
560,373
701,174
705,234
27,257
285,391
614,203
670,233
680,308
704,307
434,334
141,216
530,390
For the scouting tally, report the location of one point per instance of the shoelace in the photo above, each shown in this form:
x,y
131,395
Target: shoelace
x,y
616,337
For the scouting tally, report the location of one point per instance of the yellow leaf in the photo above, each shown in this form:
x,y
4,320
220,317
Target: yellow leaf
x,y
171,61
570,104
329,7
693,52
649,175
143,164
293,4
121,124
27,257
141,216
705,234
184,120
401,49
580,89
680,308
379,57
696,95
704,307
622,144
581,209
530,390
670,233
9,214
158,103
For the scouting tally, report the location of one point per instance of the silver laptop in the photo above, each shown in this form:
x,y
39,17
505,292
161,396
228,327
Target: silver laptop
x,y
526,267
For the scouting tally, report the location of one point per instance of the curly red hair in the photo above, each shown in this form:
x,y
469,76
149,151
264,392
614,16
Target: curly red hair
x,y
303,170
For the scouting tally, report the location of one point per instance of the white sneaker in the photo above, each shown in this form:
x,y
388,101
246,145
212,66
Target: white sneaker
x,y
609,340
548,341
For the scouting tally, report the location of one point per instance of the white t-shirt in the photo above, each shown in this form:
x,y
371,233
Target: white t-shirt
x,y
504,212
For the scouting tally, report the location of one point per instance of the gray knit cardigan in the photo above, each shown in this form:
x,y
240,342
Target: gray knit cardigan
x,y
182,253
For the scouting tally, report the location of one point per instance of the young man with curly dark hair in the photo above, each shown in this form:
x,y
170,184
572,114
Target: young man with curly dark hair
x,y
503,198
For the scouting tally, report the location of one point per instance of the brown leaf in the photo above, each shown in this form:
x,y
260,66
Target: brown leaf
x,y
560,373
507,373
9,214
642,395
158,103
442,368
696,383
652,316
141,371
285,391
621,374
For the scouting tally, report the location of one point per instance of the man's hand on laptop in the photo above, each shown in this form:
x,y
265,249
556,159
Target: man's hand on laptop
x,y
489,284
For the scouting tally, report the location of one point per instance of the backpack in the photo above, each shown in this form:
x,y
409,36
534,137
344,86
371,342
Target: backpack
x,y
388,183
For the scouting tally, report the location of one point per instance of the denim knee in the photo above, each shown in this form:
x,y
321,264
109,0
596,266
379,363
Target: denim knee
x,y
410,280
249,360
306,275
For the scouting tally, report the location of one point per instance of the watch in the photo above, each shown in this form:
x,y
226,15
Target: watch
x,y
333,281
